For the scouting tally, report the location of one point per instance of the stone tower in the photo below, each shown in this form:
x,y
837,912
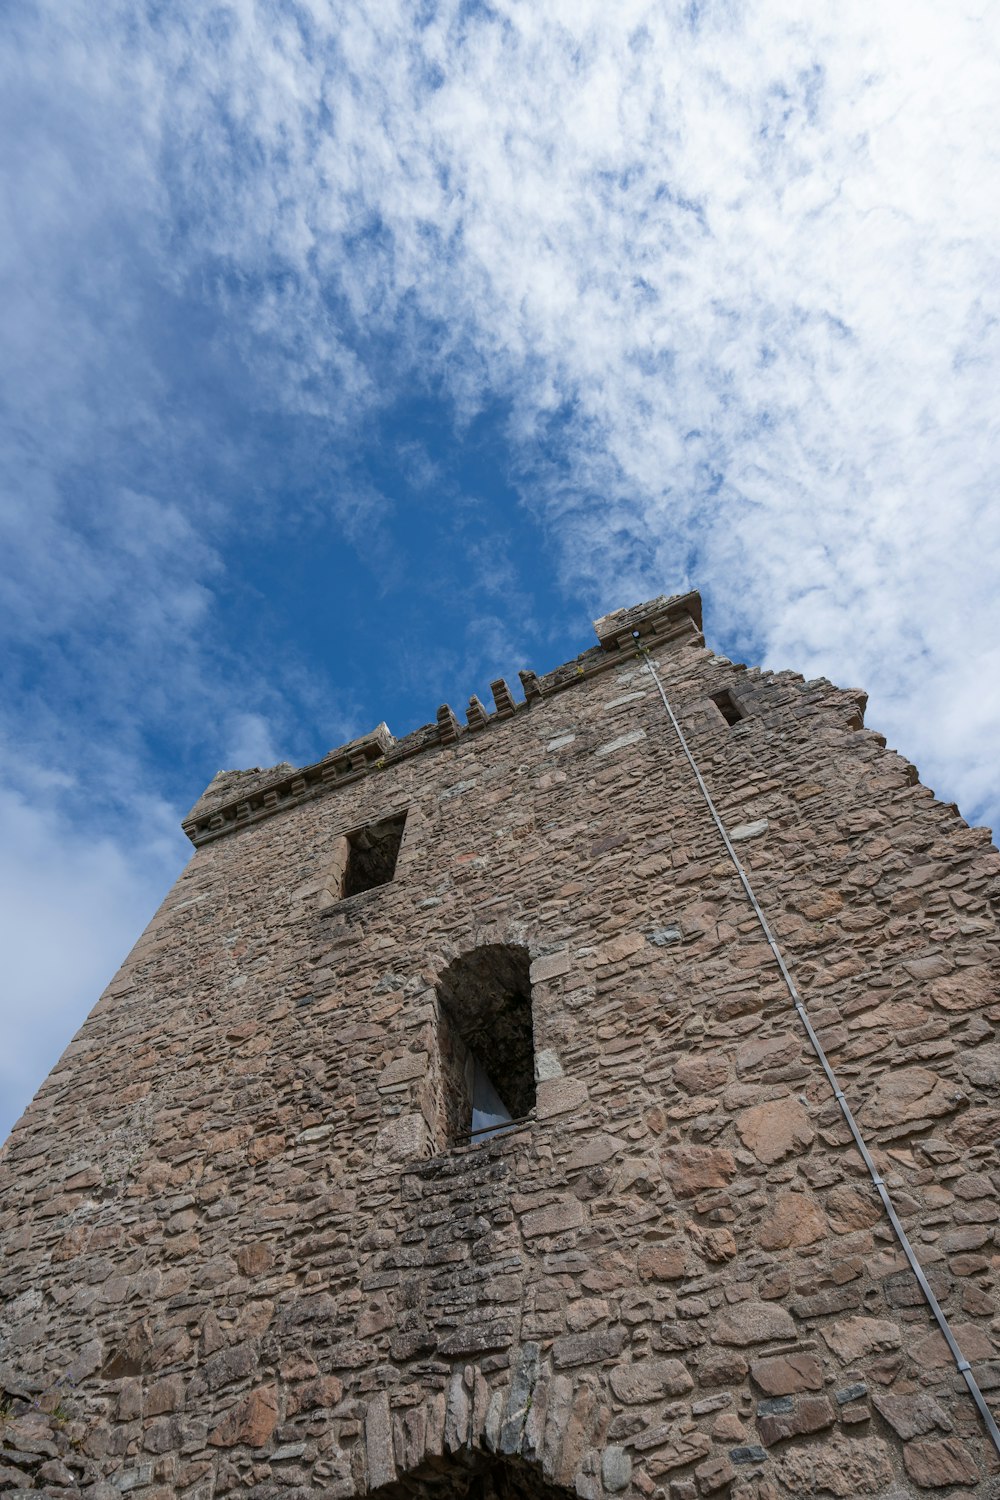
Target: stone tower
x,y
460,1127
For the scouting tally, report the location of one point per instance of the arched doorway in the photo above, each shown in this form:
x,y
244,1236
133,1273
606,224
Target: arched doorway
x,y
474,1475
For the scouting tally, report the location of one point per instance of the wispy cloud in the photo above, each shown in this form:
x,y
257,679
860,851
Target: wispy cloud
x,y
73,904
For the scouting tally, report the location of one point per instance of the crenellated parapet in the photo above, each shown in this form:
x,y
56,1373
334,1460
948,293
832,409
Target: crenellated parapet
x,y
235,798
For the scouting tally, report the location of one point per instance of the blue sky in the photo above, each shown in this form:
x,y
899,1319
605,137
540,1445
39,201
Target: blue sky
x,y
355,355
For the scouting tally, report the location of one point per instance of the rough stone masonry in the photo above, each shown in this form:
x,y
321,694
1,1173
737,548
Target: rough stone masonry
x,y
251,1247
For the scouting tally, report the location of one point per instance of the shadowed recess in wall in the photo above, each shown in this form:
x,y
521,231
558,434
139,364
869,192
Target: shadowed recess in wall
x,y
487,1037
371,855
471,1475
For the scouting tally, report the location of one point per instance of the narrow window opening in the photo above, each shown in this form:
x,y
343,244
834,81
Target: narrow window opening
x,y
486,1042
728,707
372,853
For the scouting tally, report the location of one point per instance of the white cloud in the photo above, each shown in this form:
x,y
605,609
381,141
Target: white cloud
x,y
70,908
249,743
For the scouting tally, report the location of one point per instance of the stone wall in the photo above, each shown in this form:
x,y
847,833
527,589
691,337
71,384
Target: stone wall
x,y
240,1259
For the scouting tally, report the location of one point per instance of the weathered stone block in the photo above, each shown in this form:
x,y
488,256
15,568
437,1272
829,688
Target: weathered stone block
x,y
650,1380
788,1374
616,1469
936,1463
853,1339
587,1348
378,1442
663,1262
754,1323
693,1169
913,1414
554,1219
251,1421
797,1220
775,1130
807,1414
845,1468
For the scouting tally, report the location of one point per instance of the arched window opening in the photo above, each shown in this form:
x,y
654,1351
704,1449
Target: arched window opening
x,y
487,1042
473,1475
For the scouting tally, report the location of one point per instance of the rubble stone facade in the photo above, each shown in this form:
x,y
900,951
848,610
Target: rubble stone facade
x,y
250,1248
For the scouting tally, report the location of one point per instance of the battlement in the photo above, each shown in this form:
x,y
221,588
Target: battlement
x,y
234,799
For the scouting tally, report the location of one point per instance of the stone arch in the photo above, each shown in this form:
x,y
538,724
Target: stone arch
x,y
480,933
528,1433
